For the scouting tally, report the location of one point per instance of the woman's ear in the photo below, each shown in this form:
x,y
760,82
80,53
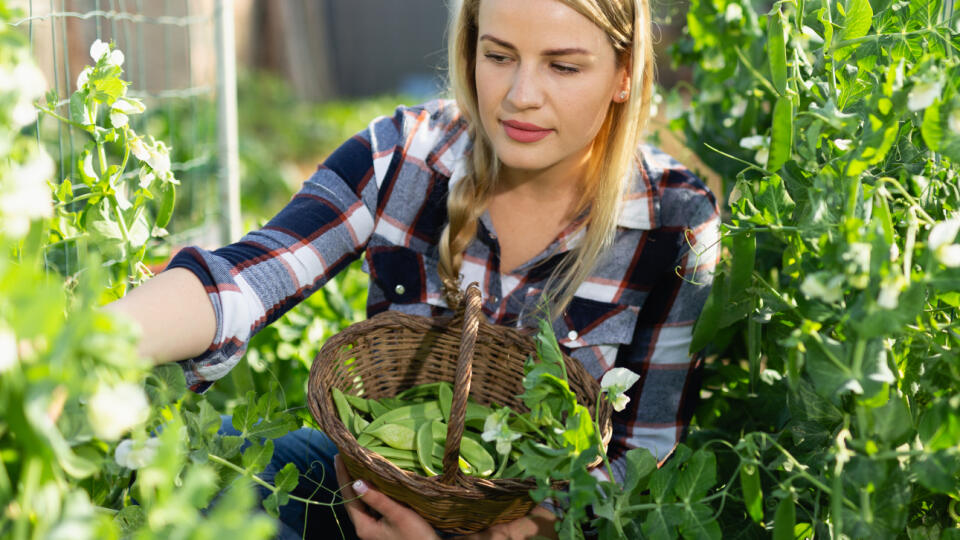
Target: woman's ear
x,y
622,92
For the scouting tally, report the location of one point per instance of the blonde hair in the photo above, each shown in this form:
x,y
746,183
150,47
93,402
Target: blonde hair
x,y
627,25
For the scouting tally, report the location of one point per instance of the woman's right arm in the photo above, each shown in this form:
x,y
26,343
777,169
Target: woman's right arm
x,y
174,313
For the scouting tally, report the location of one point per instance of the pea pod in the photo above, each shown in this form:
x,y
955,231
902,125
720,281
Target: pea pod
x,y
377,409
426,447
423,391
344,410
423,411
478,457
391,453
445,400
394,435
359,403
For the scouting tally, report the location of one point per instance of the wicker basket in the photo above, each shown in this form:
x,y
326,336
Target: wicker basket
x,y
390,352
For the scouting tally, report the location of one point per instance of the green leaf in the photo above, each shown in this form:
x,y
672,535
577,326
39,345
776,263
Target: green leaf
x,y
165,384
287,479
78,107
130,518
781,137
697,476
785,520
752,492
931,129
938,472
640,464
257,455
698,523
777,50
858,19
661,522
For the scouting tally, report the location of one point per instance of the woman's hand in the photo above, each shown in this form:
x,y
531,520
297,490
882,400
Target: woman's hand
x,y
537,524
394,520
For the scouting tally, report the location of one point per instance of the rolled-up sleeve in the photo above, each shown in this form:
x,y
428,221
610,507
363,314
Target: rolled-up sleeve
x,y
324,227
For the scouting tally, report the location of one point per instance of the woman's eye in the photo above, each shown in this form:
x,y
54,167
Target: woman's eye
x,y
563,68
497,58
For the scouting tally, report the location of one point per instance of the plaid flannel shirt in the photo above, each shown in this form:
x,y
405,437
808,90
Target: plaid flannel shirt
x,y
382,195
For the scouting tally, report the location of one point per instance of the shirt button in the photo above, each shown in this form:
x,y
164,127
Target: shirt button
x,y
400,289
573,335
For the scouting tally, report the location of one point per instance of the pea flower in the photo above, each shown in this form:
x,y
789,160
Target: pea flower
x,y
8,350
942,241
136,455
495,428
815,287
889,296
25,195
615,383
98,49
923,95
114,410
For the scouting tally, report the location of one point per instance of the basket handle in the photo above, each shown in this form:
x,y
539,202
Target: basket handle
x,y
461,384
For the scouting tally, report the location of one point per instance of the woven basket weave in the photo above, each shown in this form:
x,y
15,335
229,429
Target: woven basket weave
x,y
392,351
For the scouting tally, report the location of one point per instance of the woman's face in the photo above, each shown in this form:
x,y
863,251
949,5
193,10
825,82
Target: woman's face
x,y
545,76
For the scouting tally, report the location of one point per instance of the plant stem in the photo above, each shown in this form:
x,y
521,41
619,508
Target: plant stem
x,y
259,481
603,452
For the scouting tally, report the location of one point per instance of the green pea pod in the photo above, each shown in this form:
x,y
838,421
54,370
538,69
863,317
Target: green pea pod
x,y
394,435
781,134
377,409
744,251
426,447
777,51
392,402
359,424
445,400
391,453
344,410
428,410
478,457
785,520
752,494
359,403
425,391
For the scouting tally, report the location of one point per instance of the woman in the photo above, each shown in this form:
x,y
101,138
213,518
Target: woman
x,y
531,182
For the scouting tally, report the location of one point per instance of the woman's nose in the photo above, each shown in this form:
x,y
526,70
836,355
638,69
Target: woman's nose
x,y
526,91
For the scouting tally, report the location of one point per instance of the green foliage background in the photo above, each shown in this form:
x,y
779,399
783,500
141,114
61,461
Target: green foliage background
x,y
830,404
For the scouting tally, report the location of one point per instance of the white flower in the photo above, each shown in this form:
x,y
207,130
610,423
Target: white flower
x,y
949,255
133,455
843,144
859,254
923,95
813,287
496,428
739,105
127,105
615,383
140,149
87,168
733,13
116,58
944,232
98,49
890,292
118,119
23,113
8,350
763,155
811,35
84,77
754,142
114,410
29,80
954,121
25,195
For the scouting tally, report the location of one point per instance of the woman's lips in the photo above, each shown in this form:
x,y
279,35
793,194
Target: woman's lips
x,y
523,132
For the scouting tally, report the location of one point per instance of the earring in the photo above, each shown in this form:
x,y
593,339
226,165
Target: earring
x,y
623,95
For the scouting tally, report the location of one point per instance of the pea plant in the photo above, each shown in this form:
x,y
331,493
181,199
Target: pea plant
x,y
94,441
831,391
106,207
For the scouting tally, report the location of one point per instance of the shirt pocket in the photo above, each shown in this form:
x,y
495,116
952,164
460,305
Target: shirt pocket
x,y
399,272
601,325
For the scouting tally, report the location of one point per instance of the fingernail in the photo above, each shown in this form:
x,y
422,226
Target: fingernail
x,y
360,487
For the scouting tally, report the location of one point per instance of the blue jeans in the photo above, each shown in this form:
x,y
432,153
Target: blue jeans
x,y
312,452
